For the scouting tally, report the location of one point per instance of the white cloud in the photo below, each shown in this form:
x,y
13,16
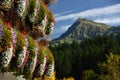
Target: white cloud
x,y
65,27
64,13
61,29
104,11
112,21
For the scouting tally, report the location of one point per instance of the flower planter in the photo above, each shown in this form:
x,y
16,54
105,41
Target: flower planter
x,y
32,59
20,50
49,29
20,7
41,63
41,68
50,69
41,18
19,53
37,8
50,22
21,57
31,13
6,56
50,65
7,47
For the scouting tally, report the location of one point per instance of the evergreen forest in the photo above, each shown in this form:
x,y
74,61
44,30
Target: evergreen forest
x,y
93,59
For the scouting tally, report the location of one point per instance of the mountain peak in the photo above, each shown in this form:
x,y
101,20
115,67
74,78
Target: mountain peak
x,y
83,28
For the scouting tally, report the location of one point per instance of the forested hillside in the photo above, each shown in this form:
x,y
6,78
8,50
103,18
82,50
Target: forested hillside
x,y
92,59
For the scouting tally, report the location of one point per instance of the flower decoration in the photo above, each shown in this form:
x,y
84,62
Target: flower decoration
x,y
1,30
37,7
42,66
41,17
6,57
20,6
50,25
7,47
5,23
31,11
42,61
32,59
50,66
20,50
19,53
50,69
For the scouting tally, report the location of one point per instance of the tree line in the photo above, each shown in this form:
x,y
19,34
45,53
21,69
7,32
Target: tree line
x,y
88,60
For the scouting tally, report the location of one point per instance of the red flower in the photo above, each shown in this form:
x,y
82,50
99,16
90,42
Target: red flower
x,y
24,33
5,23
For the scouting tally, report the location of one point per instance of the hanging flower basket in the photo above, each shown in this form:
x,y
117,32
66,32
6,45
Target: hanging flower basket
x,y
50,69
50,24
31,11
19,53
6,47
50,66
20,7
32,59
49,28
21,50
41,19
42,61
37,8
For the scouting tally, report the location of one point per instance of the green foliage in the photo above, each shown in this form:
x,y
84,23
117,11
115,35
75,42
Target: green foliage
x,y
32,6
51,20
30,11
49,56
73,59
111,69
31,47
50,17
42,12
41,56
5,41
89,75
20,42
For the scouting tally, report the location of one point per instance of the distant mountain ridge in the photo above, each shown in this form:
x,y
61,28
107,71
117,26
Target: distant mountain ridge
x,y
83,28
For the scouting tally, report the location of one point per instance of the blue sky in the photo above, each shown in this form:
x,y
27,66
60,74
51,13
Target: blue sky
x,y
67,11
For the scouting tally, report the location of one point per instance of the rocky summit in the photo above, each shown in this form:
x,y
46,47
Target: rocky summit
x,y
82,29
